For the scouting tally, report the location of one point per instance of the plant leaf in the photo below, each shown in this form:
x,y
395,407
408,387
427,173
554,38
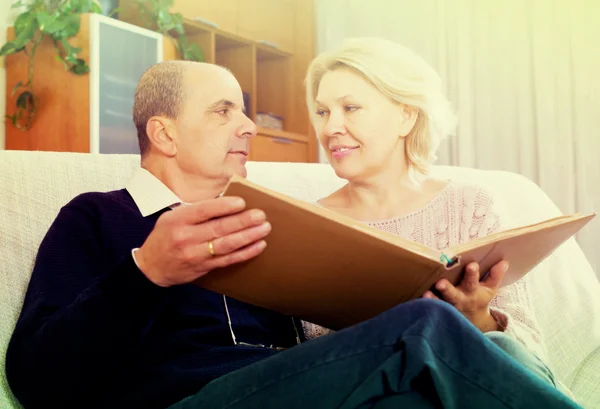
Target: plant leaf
x,y
95,8
59,58
80,67
67,48
115,11
72,24
177,17
10,48
49,24
16,87
195,53
178,24
24,30
71,58
25,100
24,23
164,16
81,6
12,118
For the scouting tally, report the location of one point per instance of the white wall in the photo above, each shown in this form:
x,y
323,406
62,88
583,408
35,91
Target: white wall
x,y
7,16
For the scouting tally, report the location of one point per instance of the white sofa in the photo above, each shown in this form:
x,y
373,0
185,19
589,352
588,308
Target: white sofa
x,y
34,185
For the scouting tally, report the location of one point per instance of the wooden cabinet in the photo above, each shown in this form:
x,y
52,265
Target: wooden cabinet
x,y
269,147
271,77
89,113
263,21
240,39
222,13
267,21
267,45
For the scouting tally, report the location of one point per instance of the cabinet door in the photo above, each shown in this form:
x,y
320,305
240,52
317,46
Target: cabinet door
x,y
120,53
271,21
275,149
220,12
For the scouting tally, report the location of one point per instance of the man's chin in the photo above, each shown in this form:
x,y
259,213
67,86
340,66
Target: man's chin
x,y
238,170
243,173
236,165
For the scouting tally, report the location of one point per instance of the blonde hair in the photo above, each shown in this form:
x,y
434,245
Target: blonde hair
x,y
404,77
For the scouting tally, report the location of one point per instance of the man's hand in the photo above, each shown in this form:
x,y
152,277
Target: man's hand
x,y
472,297
177,249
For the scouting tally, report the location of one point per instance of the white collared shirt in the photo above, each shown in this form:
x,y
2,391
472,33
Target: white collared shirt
x,y
150,194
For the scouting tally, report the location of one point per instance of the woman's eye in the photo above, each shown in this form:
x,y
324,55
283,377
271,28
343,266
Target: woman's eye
x,y
224,111
321,112
350,108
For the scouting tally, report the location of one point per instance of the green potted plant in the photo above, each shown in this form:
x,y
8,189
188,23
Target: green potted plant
x,y
57,19
156,16
60,20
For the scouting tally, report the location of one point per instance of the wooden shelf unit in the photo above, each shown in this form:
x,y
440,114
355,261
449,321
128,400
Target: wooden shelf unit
x,y
84,113
272,145
241,40
239,36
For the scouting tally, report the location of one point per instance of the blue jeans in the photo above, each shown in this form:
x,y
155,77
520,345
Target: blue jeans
x,y
518,351
420,354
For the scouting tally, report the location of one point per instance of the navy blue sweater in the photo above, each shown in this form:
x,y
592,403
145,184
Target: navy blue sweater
x,y
94,332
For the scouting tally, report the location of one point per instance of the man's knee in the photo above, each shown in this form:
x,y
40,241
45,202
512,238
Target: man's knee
x,y
420,308
420,316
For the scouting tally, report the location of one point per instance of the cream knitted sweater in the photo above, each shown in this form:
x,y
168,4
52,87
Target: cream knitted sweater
x,y
461,212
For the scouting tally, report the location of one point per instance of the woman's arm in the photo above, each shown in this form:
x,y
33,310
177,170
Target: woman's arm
x,y
512,306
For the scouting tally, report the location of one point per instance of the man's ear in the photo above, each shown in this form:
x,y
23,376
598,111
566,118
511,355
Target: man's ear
x,y
161,132
408,120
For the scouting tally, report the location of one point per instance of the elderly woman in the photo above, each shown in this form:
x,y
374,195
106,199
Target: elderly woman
x,y
380,113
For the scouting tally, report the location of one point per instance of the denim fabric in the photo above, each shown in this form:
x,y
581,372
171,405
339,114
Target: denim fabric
x,y
518,351
420,354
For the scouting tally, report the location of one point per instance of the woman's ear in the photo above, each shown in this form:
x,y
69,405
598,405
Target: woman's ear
x,y
161,133
408,120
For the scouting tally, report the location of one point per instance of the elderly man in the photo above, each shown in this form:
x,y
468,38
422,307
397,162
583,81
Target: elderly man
x,y
111,318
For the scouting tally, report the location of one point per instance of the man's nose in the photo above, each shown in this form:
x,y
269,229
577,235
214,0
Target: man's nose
x,y
247,127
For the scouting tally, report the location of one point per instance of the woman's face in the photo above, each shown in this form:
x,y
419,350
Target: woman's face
x,y
361,130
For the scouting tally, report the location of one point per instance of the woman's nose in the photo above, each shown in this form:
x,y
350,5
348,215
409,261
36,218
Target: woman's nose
x,y
334,125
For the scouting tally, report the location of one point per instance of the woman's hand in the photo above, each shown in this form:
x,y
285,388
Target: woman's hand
x,y
472,297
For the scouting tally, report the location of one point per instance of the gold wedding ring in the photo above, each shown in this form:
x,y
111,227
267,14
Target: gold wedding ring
x,y
211,248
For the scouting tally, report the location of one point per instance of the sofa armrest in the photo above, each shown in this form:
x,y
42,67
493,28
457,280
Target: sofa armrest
x,y
585,384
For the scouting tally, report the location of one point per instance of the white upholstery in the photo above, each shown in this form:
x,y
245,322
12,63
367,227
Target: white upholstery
x,y
566,291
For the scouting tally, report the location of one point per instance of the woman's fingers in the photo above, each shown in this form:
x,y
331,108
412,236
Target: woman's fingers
x,y
494,278
470,282
449,293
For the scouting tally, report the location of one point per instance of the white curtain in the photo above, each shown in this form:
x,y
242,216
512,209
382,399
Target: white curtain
x,y
524,76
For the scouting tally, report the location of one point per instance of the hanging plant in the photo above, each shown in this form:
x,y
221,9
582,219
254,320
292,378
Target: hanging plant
x,y
157,16
57,19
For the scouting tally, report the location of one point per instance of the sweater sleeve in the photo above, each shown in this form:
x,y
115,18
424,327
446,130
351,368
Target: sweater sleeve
x,y
512,306
79,325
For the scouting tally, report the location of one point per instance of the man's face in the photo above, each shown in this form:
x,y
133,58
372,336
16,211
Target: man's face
x,y
212,129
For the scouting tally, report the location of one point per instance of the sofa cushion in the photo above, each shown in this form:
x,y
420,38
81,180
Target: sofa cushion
x,y
36,184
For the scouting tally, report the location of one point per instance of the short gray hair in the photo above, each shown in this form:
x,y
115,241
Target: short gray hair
x,y
160,92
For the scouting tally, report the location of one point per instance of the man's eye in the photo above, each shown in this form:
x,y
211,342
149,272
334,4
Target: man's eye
x,y
224,111
350,108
